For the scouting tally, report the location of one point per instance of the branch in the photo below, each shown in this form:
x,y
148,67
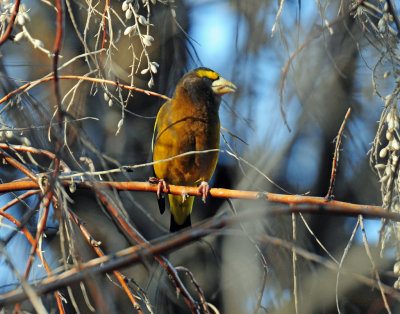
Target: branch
x,y
328,264
8,31
96,247
393,12
336,156
321,205
133,234
135,254
117,260
79,77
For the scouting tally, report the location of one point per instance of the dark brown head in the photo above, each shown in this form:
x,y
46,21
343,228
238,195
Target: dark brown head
x,y
205,85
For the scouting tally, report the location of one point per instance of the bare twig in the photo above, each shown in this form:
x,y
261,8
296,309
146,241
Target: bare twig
x,y
340,266
294,268
327,263
393,12
18,199
262,258
313,36
200,292
79,77
95,245
29,237
336,156
105,17
368,251
17,165
8,31
132,233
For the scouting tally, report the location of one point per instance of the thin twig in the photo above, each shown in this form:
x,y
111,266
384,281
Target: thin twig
x,y
29,237
327,263
317,240
39,233
18,199
133,234
285,69
294,268
233,135
262,258
17,165
336,157
95,245
368,251
393,12
80,77
340,266
8,31
103,22
32,150
60,111
200,292
27,289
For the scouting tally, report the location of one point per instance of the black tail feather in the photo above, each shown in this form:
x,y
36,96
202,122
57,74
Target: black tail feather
x,y
161,200
175,227
161,204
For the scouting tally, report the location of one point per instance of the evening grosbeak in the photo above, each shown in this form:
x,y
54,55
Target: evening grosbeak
x,y
188,122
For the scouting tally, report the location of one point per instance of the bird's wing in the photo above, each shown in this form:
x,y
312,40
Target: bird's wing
x,y
161,200
154,132
153,139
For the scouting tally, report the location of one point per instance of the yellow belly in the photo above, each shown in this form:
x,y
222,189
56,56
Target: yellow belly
x,y
181,138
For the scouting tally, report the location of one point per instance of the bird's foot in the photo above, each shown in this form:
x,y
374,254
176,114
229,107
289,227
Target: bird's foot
x,y
161,185
185,195
204,189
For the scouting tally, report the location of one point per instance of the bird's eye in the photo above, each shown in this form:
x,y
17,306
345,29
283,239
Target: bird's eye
x,y
207,79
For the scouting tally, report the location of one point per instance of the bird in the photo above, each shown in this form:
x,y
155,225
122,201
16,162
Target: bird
x,y
188,122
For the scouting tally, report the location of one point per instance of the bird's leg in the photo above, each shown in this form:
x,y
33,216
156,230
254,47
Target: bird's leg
x,y
185,195
161,186
204,189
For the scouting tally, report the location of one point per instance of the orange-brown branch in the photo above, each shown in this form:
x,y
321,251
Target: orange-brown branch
x,y
78,77
340,207
10,26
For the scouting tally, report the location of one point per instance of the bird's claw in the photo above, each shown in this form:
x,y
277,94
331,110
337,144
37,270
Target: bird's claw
x,y
204,189
161,186
185,195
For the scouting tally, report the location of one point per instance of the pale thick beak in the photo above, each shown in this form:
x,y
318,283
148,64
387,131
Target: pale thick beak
x,y
223,86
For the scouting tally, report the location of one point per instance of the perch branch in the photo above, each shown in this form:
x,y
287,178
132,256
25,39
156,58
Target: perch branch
x,y
321,205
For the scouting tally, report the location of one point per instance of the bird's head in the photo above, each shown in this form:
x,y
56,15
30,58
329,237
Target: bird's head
x,y
205,86
218,84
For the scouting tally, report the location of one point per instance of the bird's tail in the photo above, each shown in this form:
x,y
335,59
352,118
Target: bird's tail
x,y
180,212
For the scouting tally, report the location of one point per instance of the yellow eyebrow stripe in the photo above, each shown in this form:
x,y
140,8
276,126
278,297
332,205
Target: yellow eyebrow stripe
x,y
210,74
